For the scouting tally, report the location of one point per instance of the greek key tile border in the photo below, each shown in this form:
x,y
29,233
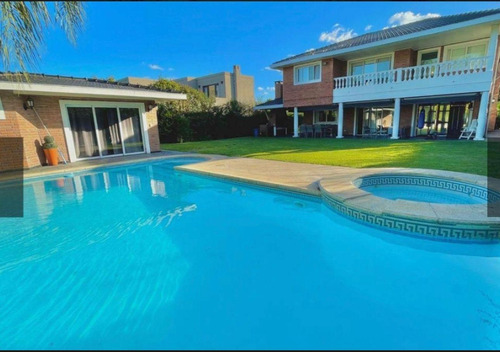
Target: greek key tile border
x,y
433,230
432,182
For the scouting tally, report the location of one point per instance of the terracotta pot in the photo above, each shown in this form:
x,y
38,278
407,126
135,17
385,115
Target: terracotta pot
x,y
51,156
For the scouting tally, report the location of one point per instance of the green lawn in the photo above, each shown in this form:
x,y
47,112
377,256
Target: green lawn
x,y
452,155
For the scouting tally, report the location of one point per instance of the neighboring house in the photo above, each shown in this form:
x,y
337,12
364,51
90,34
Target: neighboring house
x,y
146,82
224,86
89,118
446,67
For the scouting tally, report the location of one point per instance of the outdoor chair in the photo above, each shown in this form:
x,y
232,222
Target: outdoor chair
x,y
302,131
318,130
469,131
309,130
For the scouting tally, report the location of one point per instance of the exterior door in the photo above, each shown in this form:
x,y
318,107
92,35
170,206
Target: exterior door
x,y
456,121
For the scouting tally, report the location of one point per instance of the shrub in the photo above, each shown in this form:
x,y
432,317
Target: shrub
x,y
49,142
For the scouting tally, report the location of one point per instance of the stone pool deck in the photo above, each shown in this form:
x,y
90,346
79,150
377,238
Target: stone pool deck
x,y
337,187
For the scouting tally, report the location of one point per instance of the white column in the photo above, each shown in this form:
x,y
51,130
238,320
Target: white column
x,y
482,118
274,130
395,119
340,126
295,122
413,118
492,47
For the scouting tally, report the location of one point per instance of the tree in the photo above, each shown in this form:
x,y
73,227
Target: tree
x,y
22,25
196,100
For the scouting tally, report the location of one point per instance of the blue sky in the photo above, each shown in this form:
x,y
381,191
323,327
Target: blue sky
x,y
177,39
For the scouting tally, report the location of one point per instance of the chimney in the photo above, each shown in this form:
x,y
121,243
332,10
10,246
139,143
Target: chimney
x,y
278,89
236,70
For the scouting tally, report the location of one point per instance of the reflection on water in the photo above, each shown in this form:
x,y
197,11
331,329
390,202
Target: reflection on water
x,y
142,257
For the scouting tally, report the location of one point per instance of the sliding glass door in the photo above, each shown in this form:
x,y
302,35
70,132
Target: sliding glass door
x,y
99,131
83,132
108,130
131,130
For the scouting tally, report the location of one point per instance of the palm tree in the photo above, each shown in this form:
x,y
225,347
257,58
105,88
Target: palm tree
x,y
22,25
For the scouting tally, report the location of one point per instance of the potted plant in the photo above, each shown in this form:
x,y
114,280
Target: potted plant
x,y
50,150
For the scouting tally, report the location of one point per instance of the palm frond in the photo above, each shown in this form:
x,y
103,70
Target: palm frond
x,y
22,26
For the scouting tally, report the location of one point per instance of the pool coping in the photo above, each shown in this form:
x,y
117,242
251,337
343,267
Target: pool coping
x,y
463,222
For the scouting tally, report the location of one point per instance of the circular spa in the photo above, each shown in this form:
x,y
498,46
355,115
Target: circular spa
x,y
423,189
423,205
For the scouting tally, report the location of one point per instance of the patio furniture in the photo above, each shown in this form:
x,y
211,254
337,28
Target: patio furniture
x,y
309,130
469,130
302,131
369,132
318,130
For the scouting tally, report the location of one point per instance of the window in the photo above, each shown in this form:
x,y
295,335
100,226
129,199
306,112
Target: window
x,y
325,116
466,51
211,90
308,73
428,57
371,65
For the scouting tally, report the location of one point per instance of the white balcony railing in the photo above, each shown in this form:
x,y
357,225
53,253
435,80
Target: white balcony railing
x,y
447,73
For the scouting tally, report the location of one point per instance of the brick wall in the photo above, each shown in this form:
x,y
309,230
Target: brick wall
x,y
24,123
310,94
348,121
405,58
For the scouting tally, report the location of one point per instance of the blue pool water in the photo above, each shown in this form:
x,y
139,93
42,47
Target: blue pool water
x,y
422,194
144,257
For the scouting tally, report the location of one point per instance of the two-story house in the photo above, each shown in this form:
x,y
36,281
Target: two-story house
x,y
443,69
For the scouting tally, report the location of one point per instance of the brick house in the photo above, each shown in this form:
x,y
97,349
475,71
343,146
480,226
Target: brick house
x,y
88,118
443,69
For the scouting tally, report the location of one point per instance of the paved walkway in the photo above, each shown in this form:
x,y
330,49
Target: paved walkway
x,y
300,177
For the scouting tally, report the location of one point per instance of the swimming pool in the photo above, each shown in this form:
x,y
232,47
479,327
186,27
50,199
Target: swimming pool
x,y
145,257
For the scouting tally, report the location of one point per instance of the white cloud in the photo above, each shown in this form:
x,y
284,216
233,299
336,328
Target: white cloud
x,y
408,17
269,88
260,88
155,67
337,34
367,28
170,69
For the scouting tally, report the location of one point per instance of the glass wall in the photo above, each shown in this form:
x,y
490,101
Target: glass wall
x,y
108,131
83,131
103,131
443,119
377,120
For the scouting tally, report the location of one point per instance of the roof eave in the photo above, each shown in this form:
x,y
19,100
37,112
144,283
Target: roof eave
x,y
481,20
268,107
79,91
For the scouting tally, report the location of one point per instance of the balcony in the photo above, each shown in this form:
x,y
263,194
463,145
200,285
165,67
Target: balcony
x,y
449,77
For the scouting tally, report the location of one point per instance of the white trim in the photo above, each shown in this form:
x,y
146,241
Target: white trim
x,y
314,63
402,38
425,51
267,107
372,57
79,91
2,111
64,104
465,45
